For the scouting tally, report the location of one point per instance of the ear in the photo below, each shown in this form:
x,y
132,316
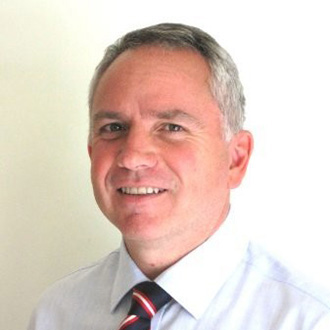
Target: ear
x,y
240,149
89,148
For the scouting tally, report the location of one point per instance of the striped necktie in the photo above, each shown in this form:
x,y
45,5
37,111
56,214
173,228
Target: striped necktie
x,y
147,299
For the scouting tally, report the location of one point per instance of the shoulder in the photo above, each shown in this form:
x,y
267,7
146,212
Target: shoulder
x,y
286,285
79,287
103,269
275,294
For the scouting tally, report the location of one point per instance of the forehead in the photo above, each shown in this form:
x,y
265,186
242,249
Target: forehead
x,y
156,79
159,58
155,65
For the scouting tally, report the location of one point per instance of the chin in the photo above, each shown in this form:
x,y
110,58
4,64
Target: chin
x,y
141,227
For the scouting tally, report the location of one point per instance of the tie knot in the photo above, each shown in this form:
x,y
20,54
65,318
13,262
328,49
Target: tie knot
x,y
148,298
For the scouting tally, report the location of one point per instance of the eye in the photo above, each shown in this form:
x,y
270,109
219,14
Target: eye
x,y
113,127
173,128
112,131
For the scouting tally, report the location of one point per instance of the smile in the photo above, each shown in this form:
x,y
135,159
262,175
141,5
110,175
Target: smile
x,y
140,190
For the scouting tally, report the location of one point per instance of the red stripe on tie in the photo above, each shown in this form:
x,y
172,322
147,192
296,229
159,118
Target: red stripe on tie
x,y
128,321
145,303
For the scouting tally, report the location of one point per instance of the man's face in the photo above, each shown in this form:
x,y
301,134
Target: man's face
x,y
159,163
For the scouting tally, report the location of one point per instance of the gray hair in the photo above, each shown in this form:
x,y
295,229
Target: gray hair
x,y
225,85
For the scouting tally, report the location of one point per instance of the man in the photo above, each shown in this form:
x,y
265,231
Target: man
x,y
166,146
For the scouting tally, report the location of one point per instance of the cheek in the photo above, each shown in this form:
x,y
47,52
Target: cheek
x,y
101,161
182,160
203,169
187,164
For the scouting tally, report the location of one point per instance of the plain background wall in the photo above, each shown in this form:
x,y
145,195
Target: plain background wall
x,y
50,224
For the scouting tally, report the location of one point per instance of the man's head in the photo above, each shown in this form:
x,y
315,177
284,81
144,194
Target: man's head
x,y
224,80
162,168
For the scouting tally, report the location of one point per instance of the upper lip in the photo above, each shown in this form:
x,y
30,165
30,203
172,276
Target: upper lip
x,y
139,184
119,181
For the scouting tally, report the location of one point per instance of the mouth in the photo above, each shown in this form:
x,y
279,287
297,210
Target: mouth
x,y
140,190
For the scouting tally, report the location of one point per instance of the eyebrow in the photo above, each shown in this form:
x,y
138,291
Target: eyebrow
x,y
176,113
167,115
107,115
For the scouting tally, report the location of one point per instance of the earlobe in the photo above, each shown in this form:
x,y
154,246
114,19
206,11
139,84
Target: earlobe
x,y
241,146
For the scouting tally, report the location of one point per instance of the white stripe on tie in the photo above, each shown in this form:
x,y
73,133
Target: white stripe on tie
x,y
145,303
129,319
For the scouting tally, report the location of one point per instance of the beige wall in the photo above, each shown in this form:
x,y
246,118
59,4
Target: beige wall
x,y
49,223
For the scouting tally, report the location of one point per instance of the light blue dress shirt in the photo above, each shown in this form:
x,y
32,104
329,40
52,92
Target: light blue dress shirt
x,y
226,283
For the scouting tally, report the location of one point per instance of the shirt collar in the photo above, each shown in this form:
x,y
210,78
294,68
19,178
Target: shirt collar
x,y
194,280
127,276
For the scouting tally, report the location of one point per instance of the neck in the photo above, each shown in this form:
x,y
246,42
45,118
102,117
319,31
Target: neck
x,y
152,262
154,257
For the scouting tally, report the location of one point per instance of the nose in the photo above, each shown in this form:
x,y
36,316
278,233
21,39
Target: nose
x,y
137,151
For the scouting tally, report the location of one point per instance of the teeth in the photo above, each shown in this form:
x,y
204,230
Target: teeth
x,y
140,190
